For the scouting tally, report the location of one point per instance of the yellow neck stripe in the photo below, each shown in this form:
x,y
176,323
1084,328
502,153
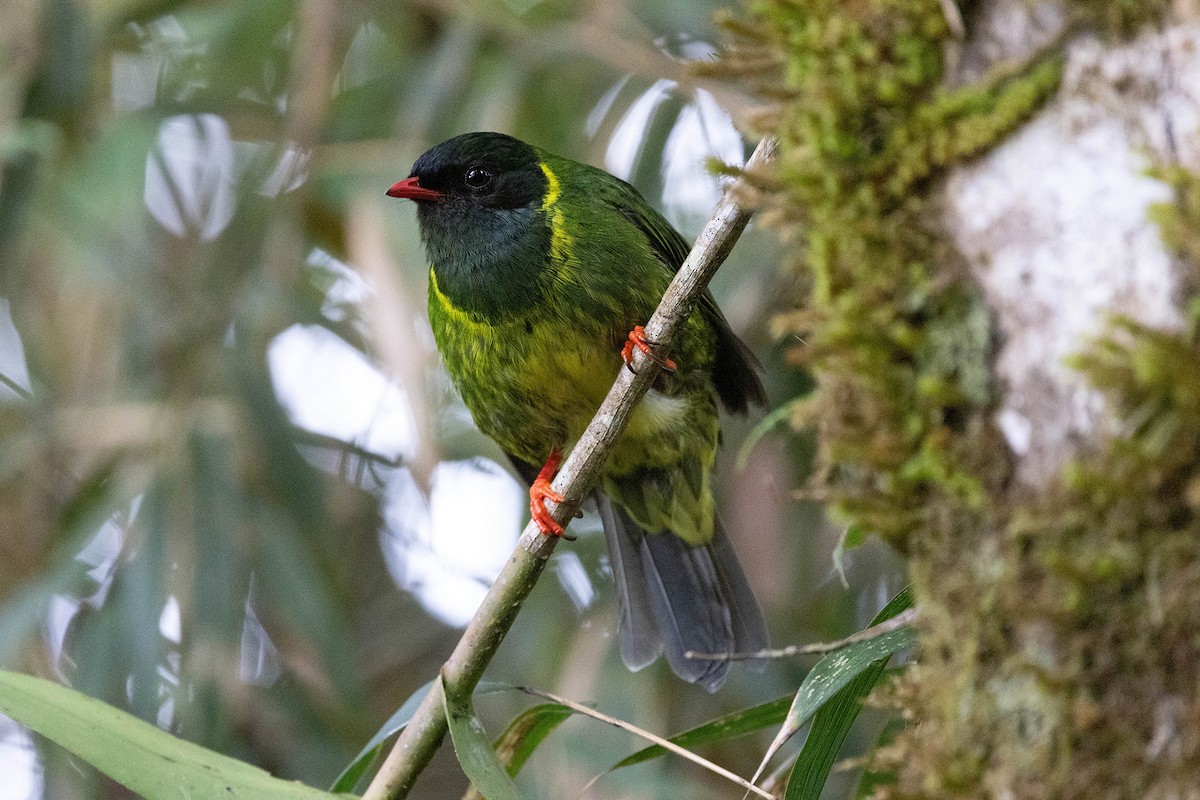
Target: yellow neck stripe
x,y
553,187
561,243
460,317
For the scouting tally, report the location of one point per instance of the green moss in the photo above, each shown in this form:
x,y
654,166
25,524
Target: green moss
x,y
956,125
1179,222
1052,620
903,343
1109,559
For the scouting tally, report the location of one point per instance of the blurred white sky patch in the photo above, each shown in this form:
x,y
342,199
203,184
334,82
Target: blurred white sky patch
x,y
169,683
136,76
14,371
573,578
347,290
190,176
630,134
448,549
102,554
291,169
330,388
702,130
367,57
20,767
169,624
605,104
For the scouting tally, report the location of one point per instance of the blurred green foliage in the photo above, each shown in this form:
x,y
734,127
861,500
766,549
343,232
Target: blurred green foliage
x,y
175,179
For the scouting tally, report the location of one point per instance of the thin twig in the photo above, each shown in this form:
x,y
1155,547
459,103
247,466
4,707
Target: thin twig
x,y
887,626
666,744
462,671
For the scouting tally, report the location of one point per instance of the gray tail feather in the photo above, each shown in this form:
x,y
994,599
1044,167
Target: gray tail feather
x,y
749,627
675,597
640,642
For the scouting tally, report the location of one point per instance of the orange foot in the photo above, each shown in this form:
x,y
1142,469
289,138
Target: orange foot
x,y
637,338
540,492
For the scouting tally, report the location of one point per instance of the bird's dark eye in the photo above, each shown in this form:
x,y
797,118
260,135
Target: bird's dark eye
x,y
477,177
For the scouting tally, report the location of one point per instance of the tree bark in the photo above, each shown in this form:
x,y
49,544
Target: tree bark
x,y
1000,223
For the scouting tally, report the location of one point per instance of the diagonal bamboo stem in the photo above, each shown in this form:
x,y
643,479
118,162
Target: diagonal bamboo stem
x,y
462,671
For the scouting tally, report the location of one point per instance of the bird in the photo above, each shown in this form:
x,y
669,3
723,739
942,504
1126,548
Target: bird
x,y
542,272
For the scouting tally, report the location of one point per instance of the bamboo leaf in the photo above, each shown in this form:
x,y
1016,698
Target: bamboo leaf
x,y
358,767
721,729
475,753
136,754
362,762
527,730
839,669
829,729
645,734
852,537
764,426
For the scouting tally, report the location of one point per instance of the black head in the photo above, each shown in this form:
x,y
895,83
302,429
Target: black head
x,y
479,204
488,170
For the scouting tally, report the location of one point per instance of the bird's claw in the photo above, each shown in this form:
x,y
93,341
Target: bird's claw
x,y
540,492
637,338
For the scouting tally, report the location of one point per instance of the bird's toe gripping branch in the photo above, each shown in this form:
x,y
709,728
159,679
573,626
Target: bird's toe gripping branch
x,y
637,338
540,492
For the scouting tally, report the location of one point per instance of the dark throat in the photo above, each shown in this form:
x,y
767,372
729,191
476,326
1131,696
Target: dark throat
x,y
491,264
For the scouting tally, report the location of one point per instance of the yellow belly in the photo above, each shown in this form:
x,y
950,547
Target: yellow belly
x,y
652,434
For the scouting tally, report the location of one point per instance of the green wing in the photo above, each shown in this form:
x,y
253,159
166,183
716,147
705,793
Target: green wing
x,y
736,369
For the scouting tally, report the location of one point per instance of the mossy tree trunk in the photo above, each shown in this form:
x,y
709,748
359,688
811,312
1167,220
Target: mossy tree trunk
x,y
999,216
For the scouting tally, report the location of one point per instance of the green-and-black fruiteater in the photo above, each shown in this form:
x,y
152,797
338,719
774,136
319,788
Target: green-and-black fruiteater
x,y
541,268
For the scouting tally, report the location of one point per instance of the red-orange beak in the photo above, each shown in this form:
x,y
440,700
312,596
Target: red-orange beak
x,y
411,189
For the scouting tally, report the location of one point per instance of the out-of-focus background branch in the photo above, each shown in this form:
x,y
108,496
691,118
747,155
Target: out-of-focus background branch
x,y
237,494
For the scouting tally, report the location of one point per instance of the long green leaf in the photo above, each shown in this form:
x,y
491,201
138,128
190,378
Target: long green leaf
x,y
852,537
475,753
837,670
395,723
721,729
527,730
139,756
831,724
874,778
829,729
830,676
359,765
